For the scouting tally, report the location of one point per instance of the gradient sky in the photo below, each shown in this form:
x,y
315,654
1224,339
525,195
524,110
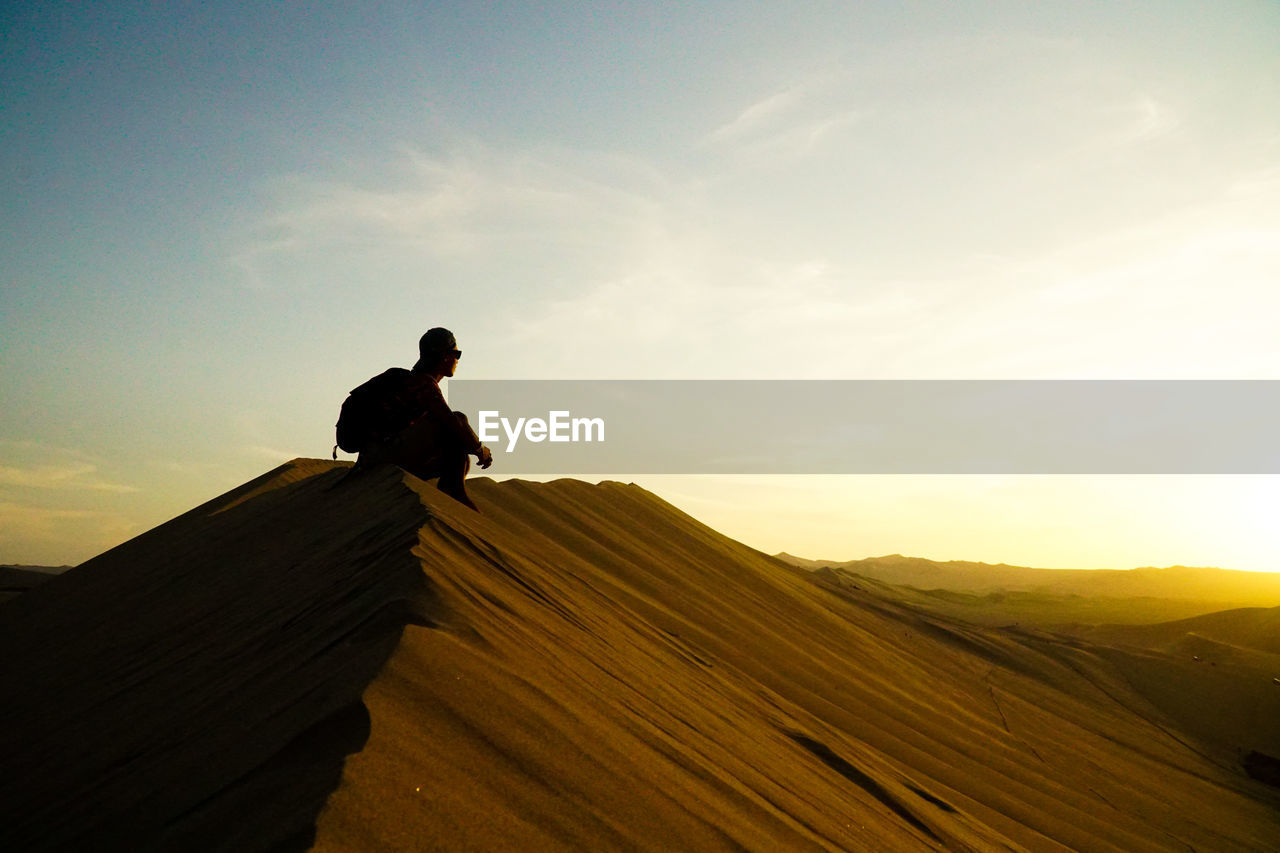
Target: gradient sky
x,y
218,219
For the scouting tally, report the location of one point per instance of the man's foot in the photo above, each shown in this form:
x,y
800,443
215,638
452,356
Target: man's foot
x,y
459,495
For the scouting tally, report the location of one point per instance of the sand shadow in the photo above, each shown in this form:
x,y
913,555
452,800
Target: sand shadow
x,y
199,687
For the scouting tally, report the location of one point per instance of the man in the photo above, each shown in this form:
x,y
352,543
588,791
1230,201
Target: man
x,y
421,434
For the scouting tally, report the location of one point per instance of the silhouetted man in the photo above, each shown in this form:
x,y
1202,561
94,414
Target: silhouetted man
x,y
426,438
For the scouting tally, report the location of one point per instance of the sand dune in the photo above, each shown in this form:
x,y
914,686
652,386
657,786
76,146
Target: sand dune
x,y
1216,675
610,673
202,681
1256,628
585,667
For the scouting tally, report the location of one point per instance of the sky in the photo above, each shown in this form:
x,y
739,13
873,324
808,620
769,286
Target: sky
x,y
218,218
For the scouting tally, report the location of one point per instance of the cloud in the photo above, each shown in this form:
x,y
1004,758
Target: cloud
x,y
1100,128
463,206
42,535
925,214
800,139
190,468
698,311
789,124
665,277
272,453
762,113
32,517
26,464
1150,119
76,476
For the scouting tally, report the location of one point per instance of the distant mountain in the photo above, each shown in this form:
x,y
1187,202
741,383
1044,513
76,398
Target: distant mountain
x,y
15,579
42,570
1226,587
793,560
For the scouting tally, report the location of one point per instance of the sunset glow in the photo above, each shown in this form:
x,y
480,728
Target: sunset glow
x,y
218,222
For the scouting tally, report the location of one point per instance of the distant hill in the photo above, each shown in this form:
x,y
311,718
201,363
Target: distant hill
x,y
1043,609
1255,628
1223,588
40,570
15,579
793,560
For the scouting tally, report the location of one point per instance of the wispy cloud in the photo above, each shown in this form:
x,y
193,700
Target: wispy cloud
x,y
272,453
1113,125
802,138
1150,119
762,113
922,213
457,206
789,124
34,517
41,535
189,468
77,476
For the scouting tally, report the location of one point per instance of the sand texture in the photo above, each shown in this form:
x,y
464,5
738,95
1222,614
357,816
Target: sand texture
x,y
199,686
583,668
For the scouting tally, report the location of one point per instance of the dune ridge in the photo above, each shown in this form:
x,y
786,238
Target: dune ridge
x,y
359,663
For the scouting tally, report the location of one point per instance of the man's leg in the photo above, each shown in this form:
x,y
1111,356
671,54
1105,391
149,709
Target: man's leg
x,y
455,464
427,451
453,474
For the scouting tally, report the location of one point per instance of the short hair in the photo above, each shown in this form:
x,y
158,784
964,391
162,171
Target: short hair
x,y
436,342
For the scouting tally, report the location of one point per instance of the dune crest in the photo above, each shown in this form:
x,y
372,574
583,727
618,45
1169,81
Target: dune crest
x,y
580,667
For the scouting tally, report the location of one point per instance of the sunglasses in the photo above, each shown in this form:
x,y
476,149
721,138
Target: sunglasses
x,y
454,353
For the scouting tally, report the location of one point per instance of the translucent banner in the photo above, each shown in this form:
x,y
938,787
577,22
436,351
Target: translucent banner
x,y
875,426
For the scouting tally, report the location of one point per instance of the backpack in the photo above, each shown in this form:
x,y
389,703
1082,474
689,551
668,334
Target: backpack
x,y
373,411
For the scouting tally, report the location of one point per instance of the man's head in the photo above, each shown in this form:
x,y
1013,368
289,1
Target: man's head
x,y
438,352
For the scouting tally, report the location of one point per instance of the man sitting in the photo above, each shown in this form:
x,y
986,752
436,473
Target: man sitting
x,y
414,427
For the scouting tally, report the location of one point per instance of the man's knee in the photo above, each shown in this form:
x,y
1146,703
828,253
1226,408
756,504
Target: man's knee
x,y
470,433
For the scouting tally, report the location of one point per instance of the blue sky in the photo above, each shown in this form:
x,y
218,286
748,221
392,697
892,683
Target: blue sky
x,y
218,219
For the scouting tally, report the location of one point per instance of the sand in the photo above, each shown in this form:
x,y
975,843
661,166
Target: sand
x,y
583,667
